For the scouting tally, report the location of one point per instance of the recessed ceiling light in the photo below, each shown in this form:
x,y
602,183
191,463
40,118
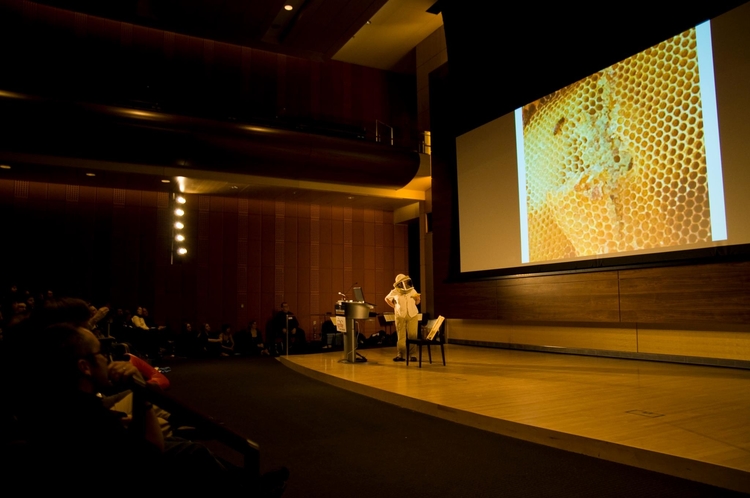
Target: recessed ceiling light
x,y
4,166
165,181
90,174
234,187
288,7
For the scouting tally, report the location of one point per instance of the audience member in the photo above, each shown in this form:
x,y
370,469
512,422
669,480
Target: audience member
x,y
30,303
13,295
19,313
148,319
96,316
328,332
183,340
285,327
145,339
75,442
227,341
197,341
121,326
150,374
253,338
83,433
213,343
138,320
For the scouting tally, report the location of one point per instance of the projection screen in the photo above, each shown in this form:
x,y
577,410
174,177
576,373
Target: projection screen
x,y
642,161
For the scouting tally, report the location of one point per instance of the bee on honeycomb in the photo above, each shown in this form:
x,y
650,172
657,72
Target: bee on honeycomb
x,y
616,162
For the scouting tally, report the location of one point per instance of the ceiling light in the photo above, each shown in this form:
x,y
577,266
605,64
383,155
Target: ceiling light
x,y
288,7
165,181
182,250
90,174
179,238
4,166
180,199
179,226
179,212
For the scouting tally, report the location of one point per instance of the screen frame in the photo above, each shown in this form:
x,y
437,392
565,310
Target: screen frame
x,y
720,253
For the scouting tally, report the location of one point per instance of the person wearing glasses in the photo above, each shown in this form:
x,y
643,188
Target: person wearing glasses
x,y
75,442
67,422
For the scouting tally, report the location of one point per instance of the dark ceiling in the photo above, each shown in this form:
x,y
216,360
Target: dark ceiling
x,y
515,53
312,29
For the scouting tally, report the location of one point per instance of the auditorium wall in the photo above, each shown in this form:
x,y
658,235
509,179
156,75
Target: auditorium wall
x,y
113,246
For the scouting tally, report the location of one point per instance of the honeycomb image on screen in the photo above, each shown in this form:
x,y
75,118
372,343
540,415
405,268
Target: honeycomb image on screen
x,y
617,162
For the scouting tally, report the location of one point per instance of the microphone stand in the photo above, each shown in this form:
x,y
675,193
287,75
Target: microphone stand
x,y
286,316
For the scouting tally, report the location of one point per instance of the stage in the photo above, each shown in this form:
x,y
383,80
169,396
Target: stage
x,y
682,420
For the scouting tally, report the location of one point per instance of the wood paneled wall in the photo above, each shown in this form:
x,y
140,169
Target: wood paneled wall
x,y
246,256
710,295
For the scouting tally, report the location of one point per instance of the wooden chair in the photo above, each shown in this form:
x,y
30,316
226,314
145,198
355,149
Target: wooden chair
x,y
423,339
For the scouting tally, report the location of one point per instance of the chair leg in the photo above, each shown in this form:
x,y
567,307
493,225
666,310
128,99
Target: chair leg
x,y
420,356
429,353
442,350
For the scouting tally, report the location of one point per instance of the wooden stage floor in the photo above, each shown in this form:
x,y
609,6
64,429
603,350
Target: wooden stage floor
x,y
682,420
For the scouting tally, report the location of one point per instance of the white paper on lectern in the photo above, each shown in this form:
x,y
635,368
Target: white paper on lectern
x,y
341,324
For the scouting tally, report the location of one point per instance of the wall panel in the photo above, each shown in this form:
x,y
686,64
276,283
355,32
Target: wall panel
x,y
477,300
722,344
687,294
113,246
585,297
611,338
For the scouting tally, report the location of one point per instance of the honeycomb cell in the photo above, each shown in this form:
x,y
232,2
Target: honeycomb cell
x,y
613,158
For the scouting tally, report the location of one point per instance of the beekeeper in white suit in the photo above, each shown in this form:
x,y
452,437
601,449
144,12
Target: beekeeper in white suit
x,y
404,300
